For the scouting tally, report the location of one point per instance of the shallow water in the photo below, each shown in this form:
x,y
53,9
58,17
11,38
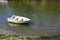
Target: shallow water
x,y
44,15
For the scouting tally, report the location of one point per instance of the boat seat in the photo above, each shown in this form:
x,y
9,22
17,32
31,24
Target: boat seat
x,y
16,19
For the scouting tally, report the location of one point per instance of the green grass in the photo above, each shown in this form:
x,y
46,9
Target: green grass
x,y
12,37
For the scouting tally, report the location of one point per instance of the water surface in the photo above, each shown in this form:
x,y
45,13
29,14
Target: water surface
x,y
44,15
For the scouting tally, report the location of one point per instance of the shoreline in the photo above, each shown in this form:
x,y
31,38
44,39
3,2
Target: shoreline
x,y
18,37
3,1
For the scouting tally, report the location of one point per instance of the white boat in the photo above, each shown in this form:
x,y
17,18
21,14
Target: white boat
x,y
18,19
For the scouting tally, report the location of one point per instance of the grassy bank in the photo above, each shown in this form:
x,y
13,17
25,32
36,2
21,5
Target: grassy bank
x,y
17,37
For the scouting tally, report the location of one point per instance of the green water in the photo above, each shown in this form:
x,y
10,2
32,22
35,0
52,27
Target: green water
x,y
44,15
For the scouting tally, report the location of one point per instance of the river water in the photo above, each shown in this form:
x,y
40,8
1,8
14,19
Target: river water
x,y
44,15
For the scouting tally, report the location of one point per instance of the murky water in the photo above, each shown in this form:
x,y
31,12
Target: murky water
x,y
44,15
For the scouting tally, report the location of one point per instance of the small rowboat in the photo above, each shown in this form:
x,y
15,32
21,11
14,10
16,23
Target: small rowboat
x,y
18,19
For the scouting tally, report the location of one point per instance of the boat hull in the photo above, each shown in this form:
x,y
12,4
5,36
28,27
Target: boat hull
x,y
14,21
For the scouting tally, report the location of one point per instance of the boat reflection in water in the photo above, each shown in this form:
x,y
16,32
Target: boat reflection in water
x,y
18,25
